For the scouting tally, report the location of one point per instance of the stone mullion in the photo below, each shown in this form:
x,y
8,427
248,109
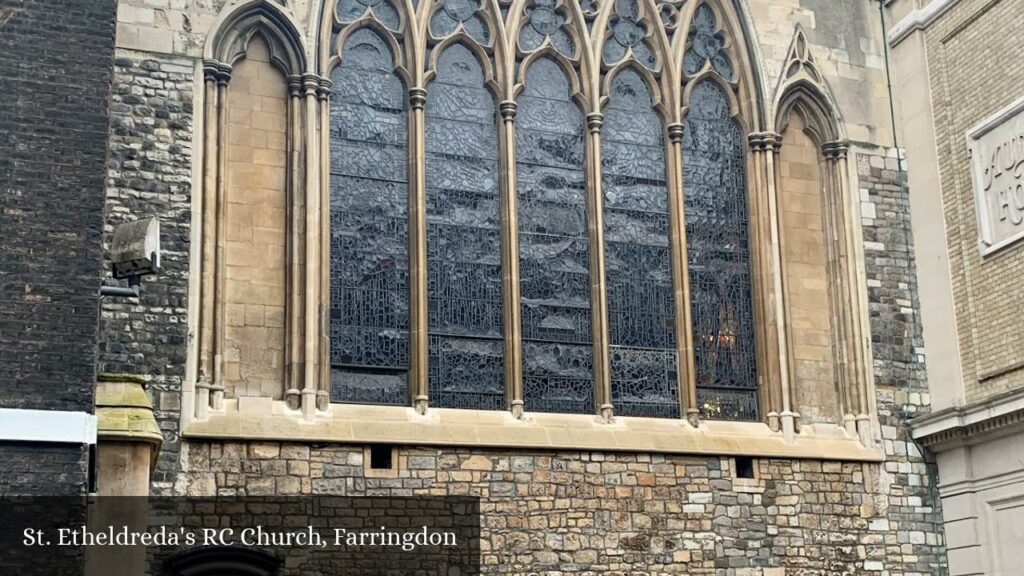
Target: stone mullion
x,y
323,395
681,276
220,270
598,296
510,262
788,417
311,84
295,205
211,69
418,321
770,393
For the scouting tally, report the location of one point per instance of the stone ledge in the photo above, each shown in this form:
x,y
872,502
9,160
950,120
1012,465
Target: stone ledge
x,y
357,424
970,424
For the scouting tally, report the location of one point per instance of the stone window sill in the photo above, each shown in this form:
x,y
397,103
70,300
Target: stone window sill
x,y
265,419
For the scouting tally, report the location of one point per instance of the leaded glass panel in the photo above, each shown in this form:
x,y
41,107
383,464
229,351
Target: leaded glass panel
x,y
554,264
465,313
719,257
384,10
706,43
369,310
544,20
641,307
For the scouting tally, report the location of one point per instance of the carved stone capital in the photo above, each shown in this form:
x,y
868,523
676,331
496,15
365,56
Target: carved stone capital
x,y
311,84
211,69
835,150
417,98
294,86
675,132
325,89
508,110
765,140
594,121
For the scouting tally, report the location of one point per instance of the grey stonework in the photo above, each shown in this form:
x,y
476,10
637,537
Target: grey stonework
x,y
55,70
149,173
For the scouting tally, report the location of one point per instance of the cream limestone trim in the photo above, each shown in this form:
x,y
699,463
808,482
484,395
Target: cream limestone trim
x,y
919,19
363,424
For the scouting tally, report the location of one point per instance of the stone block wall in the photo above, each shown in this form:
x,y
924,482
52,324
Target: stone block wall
x,y
255,221
966,90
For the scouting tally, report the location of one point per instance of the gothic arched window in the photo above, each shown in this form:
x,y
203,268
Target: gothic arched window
x,y
554,259
463,234
638,262
719,256
369,305
536,205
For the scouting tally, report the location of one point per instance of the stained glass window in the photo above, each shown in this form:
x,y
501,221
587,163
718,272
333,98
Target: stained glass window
x,y
465,314
554,265
641,308
546,21
706,43
369,311
719,257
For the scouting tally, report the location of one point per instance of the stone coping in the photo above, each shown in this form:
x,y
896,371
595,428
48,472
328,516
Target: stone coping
x,y
265,419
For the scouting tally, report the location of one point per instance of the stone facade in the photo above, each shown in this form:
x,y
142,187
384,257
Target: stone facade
x,y
55,77
570,511
947,100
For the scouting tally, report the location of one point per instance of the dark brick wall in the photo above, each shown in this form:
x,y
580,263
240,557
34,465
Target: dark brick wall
x,y
51,469
55,69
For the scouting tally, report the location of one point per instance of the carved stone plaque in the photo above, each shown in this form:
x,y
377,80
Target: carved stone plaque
x,y
997,175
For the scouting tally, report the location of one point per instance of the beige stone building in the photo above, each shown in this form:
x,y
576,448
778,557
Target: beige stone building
x,y
637,274
959,70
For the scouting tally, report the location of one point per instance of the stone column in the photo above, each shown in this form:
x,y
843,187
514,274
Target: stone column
x,y
311,85
220,272
323,394
204,376
763,281
295,214
418,325
510,260
788,417
598,298
856,418
681,275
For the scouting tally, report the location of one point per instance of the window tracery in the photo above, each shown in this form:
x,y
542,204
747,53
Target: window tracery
x,y
530,202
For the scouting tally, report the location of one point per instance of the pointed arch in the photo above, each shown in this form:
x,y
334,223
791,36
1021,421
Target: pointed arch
x,y
737,35
803,89
236,28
